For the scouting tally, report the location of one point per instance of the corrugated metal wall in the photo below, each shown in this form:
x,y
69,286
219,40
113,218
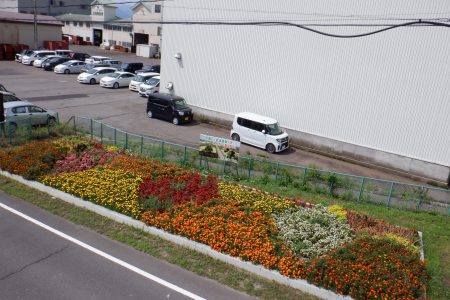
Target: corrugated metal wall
x,y
389,91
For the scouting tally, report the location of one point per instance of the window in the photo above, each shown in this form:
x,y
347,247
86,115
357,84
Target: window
x,y
83,6
88,25
81,24
157,8
35,109
61,3
19,110
75,23
52,2
159,31
88,39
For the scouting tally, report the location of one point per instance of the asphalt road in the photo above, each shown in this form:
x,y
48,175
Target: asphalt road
x,y
37,263
125,110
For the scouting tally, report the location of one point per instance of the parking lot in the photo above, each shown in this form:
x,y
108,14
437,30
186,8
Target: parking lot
x,y
126,110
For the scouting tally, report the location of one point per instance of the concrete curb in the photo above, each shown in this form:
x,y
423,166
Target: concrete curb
x,y
299,284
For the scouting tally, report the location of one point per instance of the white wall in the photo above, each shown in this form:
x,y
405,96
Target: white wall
x,y
142,13
388,91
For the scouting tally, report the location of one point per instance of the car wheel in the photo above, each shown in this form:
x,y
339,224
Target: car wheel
x,y
235,137
150,114
66,71
175,121
116,85
92,81
270,148
51,121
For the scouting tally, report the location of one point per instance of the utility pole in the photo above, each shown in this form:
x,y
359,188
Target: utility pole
x,y
35,27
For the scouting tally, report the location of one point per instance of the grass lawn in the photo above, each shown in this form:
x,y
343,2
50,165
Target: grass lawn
x,y
196,262
435,229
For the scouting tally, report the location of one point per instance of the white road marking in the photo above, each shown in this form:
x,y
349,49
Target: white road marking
x,y
105,255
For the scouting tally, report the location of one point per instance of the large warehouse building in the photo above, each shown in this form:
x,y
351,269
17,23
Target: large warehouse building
x,y
383,98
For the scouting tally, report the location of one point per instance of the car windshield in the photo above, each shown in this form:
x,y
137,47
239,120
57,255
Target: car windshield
x,y
274,129
152,81
92,71
140,78
67,63
114,75
180,104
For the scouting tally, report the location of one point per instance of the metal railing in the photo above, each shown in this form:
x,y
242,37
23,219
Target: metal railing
x,y
345,186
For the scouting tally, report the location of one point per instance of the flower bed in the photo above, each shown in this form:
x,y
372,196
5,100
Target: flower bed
x,y
331,247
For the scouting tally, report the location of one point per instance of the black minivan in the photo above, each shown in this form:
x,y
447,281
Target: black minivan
x,y
130,66
169,107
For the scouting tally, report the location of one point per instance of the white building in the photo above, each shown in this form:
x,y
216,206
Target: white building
x,y
382,98
17,28
147,33
100,26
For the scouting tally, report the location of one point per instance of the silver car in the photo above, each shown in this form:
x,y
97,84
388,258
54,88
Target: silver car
x,y
71,66
22,112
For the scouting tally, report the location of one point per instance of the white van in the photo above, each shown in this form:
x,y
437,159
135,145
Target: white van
x,y
259,131
37,54
150,86
139,79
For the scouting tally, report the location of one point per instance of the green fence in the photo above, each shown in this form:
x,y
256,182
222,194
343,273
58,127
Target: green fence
x,y
345,186
21,131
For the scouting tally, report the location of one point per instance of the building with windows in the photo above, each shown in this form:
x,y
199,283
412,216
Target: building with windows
x,y
47,7
102,24
381,98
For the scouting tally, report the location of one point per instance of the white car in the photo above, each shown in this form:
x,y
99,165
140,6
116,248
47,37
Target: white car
x,y
94,75
150,86
96,59
117,79
36,54
71,66
39,62
139,79
112,63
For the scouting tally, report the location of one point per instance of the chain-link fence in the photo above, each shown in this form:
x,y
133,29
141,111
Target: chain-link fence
x,y
349,187
23,130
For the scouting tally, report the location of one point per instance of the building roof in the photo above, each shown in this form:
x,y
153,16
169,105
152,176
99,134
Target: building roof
x,y
74,17
145,4
7,16
104,2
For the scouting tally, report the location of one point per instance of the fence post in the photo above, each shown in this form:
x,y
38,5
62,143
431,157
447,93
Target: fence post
x,y
126,140
162,150
276,171
390,194
421,196
48,127
142,144
361,189
305,172
115,136
224,166
74,124
250,166
184,154
92,130
101,133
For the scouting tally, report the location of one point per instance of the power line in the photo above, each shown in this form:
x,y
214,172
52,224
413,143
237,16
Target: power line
x,y
274,23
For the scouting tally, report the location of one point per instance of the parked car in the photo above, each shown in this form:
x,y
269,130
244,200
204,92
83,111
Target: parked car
x,y
96,59
64,52
79,56
94,75
130,66
113,63
169,107
18,56
71,66
149,68
38,62
29,59
10,97
88,67
259,131
149,87
22,112
3,89
140,79
117,79
50,64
